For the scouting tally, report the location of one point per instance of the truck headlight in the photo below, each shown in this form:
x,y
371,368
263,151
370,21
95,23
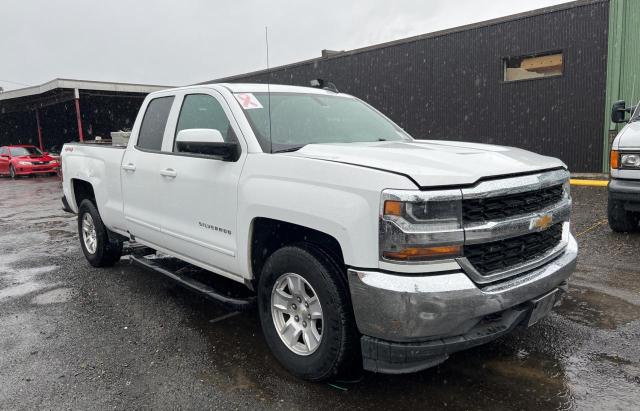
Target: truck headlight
x,y
420,225
566,187
630,160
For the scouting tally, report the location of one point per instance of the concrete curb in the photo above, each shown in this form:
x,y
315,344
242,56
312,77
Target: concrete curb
x,y
589,183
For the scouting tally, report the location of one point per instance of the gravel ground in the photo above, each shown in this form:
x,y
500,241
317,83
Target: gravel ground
x,y
75,337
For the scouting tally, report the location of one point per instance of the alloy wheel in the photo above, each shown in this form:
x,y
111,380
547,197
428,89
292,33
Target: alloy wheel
x,y
297,314
89,235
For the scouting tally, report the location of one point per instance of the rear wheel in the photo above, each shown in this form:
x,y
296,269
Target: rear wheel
x,y
621,220
306,314
12,171
97,247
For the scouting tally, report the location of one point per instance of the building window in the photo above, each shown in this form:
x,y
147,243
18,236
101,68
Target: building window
x,y
533,66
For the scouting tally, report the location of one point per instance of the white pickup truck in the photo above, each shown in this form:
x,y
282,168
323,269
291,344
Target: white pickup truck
x,y
624,186
362,245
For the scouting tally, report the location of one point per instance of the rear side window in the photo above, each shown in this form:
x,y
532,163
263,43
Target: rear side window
x,y
3,150
204,111
154,123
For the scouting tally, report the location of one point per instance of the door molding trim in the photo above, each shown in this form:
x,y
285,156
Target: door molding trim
x,y
200,243
142,223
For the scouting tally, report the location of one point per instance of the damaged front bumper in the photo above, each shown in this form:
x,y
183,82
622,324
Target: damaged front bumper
x,y
411,322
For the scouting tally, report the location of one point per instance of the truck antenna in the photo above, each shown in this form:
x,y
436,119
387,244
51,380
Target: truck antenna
x,y
266,39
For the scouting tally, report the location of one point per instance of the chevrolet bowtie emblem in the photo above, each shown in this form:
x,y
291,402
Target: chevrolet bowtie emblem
x,y
540,223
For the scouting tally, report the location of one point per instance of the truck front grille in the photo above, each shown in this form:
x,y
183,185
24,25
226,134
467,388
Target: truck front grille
x,y
496,208
497,256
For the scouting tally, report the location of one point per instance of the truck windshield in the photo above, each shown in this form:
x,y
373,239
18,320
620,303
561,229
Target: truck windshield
x,y
298,119
25,151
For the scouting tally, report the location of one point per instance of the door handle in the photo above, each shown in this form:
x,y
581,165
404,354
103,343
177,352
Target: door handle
x,y
129,167
168,172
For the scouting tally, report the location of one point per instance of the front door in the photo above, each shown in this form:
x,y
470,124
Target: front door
x,y
201,193
142,183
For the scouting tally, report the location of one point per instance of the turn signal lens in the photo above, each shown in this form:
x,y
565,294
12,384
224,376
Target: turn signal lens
x,y
614,159
393,208
427,253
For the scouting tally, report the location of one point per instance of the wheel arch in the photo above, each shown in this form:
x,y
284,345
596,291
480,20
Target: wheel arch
x,y
82,190
268,235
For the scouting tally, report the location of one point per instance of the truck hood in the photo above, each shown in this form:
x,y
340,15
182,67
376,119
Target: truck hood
x,y
630,136
433,163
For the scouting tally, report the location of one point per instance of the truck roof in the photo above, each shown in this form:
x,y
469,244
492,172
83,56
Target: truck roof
x,y
261,88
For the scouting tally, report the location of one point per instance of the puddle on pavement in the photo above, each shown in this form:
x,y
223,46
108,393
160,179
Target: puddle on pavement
x,y
520,371
58,295
617,360
57,235
493,376
20,282
597,309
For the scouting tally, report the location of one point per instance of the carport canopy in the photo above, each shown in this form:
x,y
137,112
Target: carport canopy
x,y
22,111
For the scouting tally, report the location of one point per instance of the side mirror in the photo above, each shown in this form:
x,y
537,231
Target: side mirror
x,y
46,153
208,142
618,111
4,155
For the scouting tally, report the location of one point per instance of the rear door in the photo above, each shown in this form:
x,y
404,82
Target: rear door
x,y
142,183
201,192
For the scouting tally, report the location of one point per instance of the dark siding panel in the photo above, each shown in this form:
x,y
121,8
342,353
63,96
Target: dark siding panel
x,y
450,87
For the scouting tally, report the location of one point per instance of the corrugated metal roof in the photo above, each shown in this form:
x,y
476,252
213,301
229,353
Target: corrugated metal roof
x,y
81,85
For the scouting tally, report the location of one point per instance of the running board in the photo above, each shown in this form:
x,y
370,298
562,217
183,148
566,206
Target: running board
x,y
237,304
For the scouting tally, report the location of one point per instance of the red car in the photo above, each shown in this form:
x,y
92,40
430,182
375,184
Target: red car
x,y
26,160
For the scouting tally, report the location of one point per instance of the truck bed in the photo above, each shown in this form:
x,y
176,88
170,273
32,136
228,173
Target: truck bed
x,y
98,164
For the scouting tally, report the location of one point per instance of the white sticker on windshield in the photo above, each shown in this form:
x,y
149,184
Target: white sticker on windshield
x,y
248,101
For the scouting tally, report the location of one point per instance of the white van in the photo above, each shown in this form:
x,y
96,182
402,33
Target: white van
x,y
624,188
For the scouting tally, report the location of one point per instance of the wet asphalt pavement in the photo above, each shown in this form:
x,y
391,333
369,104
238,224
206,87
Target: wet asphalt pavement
x,y
75,337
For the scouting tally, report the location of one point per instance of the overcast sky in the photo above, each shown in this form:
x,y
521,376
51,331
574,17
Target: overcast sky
x,y
171,42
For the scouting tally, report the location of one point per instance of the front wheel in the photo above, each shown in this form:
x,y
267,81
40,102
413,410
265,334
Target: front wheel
x,y
305,313
97,247
621,220
12,171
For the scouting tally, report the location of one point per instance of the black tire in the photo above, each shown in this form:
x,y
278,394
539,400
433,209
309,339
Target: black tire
x,y
108,250
621,220
339,348
12,171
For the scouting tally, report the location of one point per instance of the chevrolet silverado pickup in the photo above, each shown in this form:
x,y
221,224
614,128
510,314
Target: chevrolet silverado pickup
x,y
624,185
359,244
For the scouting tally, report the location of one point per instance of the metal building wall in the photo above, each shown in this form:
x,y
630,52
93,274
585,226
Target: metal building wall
x,y
449,85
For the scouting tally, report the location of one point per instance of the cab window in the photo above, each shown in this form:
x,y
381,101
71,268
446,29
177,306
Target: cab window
x,y
153,123
204,111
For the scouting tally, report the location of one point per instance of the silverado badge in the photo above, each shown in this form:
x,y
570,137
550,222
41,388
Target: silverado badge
x,y
540,223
